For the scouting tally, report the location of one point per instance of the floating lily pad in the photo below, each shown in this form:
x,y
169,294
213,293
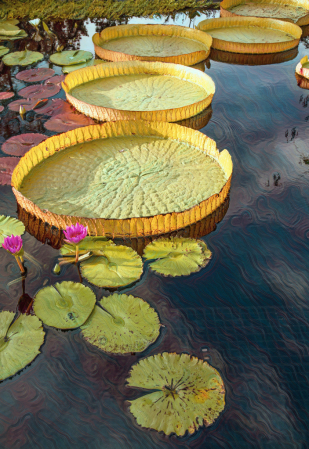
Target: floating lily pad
x,y
70,57
7,165
125,324
6,95
177,256
35,75
9,226
86,245
55,107
3,50
64,306
1,108
118,266
23,58
20,342
39,91
8,29
189,393
21,35
67,121
55,80
71,68
26,103
19,145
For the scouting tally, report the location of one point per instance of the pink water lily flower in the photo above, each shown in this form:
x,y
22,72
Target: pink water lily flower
x,y
74,234
13,244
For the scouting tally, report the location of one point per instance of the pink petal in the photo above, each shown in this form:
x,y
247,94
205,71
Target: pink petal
x,y
35,75
39,91
7,165
55,80
19,145
6,95
66,122
55,107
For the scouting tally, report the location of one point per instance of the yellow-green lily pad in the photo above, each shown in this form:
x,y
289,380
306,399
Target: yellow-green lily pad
x,y
20,342
3,50
21,35
115,267
190,393
88,244
71,68
122,325
9,226
70,57
65,305
8,29
177,256
22,58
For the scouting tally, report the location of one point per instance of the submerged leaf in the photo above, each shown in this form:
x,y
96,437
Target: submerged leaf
x,y
20,342
35,75
70,57
124,324
19,145
65,306
9,226
23,58
39,91
116,267
189,393
71,68
177,256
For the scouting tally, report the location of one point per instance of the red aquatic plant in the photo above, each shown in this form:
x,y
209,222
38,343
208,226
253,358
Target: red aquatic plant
x,y
7,165
39,91
66,122
35,75
6,95
19,145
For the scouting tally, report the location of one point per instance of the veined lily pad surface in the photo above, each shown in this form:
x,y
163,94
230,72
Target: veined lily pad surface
x,y
189,393
71,57
177,256
23,58
122,325
65,305
20,342
9,226
115,267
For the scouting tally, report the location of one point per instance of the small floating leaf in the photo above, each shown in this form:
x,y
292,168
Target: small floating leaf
x,y
8,29
23,58
19,145
6,95
55,107
39,91
21,35
125,324
189,393
177,256
116,267
27,104
71,68
9,226
35,75
3,50
20,342
86,245
55,79
70,57
65,306
67,121
7,165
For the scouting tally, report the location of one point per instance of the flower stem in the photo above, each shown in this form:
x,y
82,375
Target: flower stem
x,y
77,254
80,276
20,265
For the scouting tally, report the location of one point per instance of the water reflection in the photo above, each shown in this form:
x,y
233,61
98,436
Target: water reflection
x,y
256,59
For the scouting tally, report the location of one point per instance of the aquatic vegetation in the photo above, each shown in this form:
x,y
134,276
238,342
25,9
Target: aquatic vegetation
x,y
1,108
3,50
14,245
19,145
122,324
72,68
74,234
35,75
55,106
189,393
9,30
20,342
22,58
55,80
35,22
6,95
302,67
177,256
65,305
38,91
87,247
7,167
27,104
9,226
70,57
116,266
67,121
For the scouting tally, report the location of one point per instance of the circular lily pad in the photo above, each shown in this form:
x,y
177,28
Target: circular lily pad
x,y
70,57
35,75
3,50
71,68
89,244
20,342
1,108
26,103
23,58
124,324
55,107
9,226
7,28
39,91
64,306
55,80
21,35
6,95
177,256
7,165
189,393
67,121
19,145
116,267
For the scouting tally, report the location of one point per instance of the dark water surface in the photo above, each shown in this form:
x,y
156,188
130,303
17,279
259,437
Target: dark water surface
x,y
247,312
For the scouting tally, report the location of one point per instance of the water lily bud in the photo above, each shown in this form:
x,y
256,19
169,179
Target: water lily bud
x,y
57,269
22,111
35,22
60,48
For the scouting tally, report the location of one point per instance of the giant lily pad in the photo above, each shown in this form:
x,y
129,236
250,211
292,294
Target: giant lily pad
x,y
19,145
70,57
39,91
189,393
116,267
3,50
7,165
20,342
64,306
177,256
23,58
9,226
35,75
67,121
124,324
72,68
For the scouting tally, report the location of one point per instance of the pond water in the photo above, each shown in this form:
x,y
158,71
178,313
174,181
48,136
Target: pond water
x,y
246,313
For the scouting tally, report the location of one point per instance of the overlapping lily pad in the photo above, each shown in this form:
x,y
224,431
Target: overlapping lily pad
x,y
177,256
71,68
28,104
9,30
23,58
89,244
55,80
35,75
71,57
67,121
20,342
6,95
189,393
39,91
55,107
3,50
123,324
7,165
9,226
19,145
116,267
65,305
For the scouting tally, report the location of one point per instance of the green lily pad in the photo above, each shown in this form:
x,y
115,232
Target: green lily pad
x,y
20,342
125,324
70,57
86,245
9,226
23,58
3,50
115,267
189,393
64,306
177,256
8,29
71,68
21,35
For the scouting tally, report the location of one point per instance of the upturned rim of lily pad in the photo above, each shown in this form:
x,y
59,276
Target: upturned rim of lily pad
x,y
122,324
10,225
